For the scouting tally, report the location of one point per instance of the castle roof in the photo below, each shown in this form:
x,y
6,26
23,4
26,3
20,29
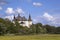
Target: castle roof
x,y
19,18
29,19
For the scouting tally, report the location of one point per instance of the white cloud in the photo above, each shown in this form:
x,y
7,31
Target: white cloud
x,y
48,16
9,17
56,21
51,20
14,11
9,11
35,21
0,8
37,4
19,10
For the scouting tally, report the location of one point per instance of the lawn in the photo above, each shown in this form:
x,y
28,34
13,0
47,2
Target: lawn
x,y
32,37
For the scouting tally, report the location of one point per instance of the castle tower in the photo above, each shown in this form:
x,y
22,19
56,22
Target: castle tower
x,y
14,18
29,21
23,21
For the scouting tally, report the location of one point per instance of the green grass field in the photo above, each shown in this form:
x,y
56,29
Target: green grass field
x,y
32,37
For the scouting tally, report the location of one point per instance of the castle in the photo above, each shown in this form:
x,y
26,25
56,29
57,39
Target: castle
x,y
23,21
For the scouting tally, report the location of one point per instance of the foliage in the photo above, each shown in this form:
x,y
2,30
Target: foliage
x,y
8,27
50,29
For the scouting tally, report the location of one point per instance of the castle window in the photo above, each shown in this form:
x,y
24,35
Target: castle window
x,y
22,23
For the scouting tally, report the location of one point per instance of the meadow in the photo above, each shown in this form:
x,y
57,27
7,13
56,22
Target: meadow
x,y
32,37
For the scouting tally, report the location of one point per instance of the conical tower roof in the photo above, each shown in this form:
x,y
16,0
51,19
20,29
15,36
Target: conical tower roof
x,y
29,19
14,18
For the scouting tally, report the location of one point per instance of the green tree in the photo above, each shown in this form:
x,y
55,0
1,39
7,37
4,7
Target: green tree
x,y
38,28
33,29
50,29
2,29
57,30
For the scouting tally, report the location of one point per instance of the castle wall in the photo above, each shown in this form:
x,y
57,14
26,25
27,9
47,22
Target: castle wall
x,y
26,23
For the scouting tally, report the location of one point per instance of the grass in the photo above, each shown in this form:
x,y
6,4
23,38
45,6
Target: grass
x,y
32,37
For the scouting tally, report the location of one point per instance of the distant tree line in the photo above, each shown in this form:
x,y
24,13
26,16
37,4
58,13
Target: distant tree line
x,y
7,27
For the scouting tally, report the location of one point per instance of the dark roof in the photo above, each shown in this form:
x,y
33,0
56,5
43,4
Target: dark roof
x,y
29,19
19,18
24,19
14,18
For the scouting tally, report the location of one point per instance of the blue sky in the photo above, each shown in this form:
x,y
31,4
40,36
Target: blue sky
x,y
43,11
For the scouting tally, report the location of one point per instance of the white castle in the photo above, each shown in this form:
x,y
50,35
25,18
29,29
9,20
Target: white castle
x,y
23,21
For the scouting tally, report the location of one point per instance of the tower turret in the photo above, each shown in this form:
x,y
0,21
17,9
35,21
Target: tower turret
x,y
29,19
14,18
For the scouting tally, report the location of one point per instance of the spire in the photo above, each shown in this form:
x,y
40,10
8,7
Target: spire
x,y
29,19
14,18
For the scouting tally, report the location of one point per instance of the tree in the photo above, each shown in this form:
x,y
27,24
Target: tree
x,y
58,30
2,29
50,29
33,29
38,28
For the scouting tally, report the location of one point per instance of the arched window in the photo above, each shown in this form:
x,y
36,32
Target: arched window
x,y
22,23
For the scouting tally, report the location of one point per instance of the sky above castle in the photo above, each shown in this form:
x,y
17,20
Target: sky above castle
x,y
43,11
